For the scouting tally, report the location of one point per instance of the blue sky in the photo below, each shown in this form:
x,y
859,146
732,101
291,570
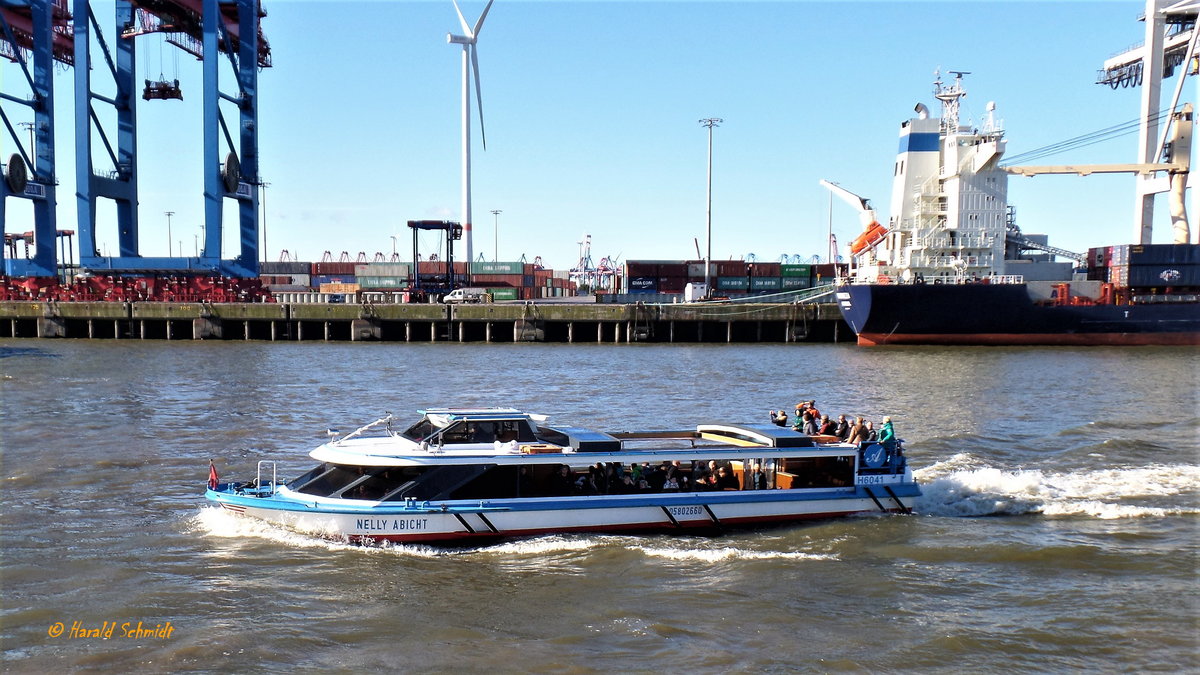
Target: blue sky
x,y
591,113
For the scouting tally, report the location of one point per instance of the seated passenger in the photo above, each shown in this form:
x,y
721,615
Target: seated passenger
x,y
563,483
506,441
524,482
758,479
670,477
727,479
827,426
810,425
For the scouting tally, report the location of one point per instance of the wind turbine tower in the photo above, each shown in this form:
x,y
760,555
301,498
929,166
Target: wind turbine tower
x,y
470,62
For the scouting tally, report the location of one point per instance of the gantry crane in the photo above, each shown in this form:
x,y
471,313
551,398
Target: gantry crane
x,y
106,166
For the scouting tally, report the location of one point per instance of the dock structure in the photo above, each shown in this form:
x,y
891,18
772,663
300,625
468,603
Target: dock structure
x,y
496,322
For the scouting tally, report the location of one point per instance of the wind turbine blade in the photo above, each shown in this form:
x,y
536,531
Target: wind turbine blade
x,y
478,91
479,23
461,19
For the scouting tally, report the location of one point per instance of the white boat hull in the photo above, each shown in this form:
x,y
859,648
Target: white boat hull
x,y
708,511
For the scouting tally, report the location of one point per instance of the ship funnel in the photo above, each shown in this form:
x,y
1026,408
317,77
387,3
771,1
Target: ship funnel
x,y
922,111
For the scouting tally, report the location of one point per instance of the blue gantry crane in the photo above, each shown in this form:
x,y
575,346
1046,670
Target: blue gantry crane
x,y
223,34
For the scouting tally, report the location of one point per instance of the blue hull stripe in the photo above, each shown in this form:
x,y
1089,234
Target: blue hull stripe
x,y
562,503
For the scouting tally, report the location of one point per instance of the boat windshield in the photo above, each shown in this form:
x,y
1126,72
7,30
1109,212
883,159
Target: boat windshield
x,y
420,431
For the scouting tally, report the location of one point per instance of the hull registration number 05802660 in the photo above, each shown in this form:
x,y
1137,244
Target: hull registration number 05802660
x,y
678,511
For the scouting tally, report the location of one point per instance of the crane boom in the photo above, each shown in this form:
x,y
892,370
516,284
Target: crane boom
x,y
866,214
1178,152
872,232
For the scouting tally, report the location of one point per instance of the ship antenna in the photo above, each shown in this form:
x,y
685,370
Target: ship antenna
x,y
949,96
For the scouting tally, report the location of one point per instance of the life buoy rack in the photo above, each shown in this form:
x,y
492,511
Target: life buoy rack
x,y
869,238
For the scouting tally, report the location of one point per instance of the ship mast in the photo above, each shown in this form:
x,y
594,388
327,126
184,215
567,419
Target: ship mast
x,y
949,96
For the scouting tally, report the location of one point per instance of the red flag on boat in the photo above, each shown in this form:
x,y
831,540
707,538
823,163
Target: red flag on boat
x,y
212,475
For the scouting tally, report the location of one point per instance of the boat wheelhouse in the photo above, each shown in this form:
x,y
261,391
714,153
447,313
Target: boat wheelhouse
x,y
464,474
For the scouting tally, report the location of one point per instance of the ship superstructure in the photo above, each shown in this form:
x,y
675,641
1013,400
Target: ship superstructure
x,y
949,208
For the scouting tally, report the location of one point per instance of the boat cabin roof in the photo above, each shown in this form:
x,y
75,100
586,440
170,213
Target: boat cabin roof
x,y
509,436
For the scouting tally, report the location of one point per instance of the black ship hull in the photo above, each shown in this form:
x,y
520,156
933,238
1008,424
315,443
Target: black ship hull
x,y
1005,314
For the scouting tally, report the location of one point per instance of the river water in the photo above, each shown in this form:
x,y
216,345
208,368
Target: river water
x,y
1058,529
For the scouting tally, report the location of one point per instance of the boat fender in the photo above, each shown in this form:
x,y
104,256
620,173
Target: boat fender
x,y
874,455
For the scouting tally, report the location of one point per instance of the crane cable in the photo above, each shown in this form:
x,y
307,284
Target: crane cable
x,y
1109,133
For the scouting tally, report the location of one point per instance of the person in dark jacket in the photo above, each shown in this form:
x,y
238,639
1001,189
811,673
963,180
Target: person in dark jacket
x,y
842,430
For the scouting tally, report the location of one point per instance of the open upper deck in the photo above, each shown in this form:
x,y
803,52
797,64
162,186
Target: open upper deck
x,y
508,436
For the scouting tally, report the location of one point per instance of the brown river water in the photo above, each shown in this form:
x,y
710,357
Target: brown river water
x,y
1058,529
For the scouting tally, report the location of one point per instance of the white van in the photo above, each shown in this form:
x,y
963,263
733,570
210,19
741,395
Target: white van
x,y
467,295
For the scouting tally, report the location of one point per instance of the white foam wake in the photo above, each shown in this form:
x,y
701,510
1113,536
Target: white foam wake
x,y
712,555
217,522
961,486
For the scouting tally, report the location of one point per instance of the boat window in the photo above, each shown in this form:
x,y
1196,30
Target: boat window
x,y
466,431
333,479
498,482
420,431
815,472
381,482
523,431
295,483
435,482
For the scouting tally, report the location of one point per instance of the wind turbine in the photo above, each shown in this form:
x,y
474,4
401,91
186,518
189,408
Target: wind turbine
x,y
470,61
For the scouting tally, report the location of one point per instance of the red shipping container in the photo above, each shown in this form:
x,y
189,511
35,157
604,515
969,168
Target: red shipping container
x,y
641,269
826,272
730,268
765,269
512,280
333,268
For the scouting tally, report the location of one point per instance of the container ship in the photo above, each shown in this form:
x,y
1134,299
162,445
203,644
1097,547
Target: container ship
x,y
952,266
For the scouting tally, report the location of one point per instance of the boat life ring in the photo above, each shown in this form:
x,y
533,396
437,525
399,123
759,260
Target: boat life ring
x,y
868,238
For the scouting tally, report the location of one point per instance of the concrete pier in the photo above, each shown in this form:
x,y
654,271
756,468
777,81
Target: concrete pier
x,y
498,322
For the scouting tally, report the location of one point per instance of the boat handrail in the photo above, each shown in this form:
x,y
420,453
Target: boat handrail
x,y
366,427
258,481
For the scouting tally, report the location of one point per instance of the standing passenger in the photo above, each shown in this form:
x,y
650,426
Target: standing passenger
x,y
779,417
858,432
887,437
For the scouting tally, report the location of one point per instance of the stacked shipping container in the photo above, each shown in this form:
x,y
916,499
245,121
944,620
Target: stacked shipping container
x,y
1170,267
729,277
504,280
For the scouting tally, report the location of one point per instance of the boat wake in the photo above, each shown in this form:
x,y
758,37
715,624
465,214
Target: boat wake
x,y
724,553
219,523
961,486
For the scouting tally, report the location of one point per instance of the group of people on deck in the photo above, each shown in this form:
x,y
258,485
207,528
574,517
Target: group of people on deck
x,y
670,476
809,420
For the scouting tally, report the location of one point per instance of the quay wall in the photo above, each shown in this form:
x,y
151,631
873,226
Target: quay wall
x,y
496,322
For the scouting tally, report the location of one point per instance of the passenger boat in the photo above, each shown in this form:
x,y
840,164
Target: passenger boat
x,y
468,474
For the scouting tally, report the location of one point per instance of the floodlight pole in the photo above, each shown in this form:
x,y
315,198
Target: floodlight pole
x,y
709,122
168,214
496,245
